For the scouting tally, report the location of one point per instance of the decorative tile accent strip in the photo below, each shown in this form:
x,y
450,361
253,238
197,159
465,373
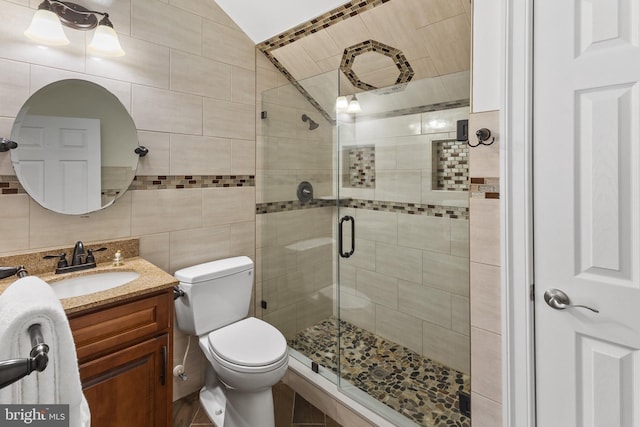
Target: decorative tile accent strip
x,y
362,166
9,184
415,110
485,188
451,164
162,182
453,212
328,19
352,52
292,205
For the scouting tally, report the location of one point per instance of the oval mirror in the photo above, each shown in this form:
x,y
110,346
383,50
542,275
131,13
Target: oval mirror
x,y
76,145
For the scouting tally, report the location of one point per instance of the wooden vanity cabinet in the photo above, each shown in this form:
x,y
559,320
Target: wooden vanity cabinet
x,y
125,357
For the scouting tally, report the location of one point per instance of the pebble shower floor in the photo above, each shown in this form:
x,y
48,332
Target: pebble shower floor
x,y
421,389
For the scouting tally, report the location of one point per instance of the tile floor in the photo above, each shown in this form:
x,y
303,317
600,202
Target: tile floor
x,y
421,389
291,410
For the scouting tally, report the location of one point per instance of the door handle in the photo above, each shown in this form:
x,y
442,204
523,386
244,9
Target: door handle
x,y
558,300
353,236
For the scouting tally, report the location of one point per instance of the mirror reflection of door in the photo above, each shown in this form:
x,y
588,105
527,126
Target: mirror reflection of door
x,y
60,162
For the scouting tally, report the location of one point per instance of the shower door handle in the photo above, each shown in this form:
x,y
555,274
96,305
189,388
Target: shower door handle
x,y
344,219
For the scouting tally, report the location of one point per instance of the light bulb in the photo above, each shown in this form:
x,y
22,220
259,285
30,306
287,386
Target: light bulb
x,y
354,106
105,42
46,29
342,103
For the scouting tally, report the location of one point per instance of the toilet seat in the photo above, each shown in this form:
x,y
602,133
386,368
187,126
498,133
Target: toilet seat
x,y
250,345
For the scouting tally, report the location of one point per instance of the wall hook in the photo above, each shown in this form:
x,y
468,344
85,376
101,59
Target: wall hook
x,y
141,150
483,135
6,145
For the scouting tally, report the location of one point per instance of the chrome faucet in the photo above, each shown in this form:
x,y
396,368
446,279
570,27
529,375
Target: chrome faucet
x,y
78,252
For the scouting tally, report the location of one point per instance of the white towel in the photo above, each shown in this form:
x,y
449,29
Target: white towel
x,y
27,301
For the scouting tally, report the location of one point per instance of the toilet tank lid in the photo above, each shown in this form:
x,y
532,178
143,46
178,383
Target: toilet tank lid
x,y
214,269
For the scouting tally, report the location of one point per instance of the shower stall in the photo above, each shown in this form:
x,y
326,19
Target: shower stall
x,y
362,235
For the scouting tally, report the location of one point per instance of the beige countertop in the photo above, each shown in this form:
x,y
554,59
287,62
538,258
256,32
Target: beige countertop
x,y
152,279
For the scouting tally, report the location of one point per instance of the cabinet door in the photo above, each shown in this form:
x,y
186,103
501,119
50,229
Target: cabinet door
x,y
129,388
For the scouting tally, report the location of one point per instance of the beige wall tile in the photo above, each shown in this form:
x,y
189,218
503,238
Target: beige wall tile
x,y
484,234
425,303
166,111
446,346
378,288
159,144
200,155
14,227
455,33
399,327
486,412
156,249
446,272
484,161
486,360
347,417
42,76
228,45
243,85
144,63
207,9
282,318
6,124
195,246
397,261
398,185
200,76
312,394
425,232
460,237
156,211
485,297
378,226
228,205
243,157
228,119
243,236
14,86
166,25
460,315
47,228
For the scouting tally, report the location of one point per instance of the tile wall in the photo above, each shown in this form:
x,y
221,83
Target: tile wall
x,y
484,219
188,81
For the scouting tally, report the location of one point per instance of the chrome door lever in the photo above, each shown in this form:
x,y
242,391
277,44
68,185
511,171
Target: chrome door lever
x,y
558,300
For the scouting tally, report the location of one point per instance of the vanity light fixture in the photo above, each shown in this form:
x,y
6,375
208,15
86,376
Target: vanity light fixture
x,y
46,27
354,105
341,103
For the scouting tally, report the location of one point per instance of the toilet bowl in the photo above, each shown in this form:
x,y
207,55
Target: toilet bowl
x,y
246,355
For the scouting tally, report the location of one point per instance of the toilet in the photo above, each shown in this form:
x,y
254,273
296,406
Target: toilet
x,y
246,355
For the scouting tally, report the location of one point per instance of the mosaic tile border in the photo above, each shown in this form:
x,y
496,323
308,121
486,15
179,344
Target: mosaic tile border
x,y
321,22
441,211
350,54
416,110
484,188
9,184
163,182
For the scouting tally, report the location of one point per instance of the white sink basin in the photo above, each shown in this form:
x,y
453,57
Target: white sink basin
x,y
83,285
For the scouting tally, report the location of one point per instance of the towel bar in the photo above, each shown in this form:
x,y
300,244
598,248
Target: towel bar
x,y
15,369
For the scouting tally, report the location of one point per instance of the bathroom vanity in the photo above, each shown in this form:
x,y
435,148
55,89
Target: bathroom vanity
x,y
124,356
124,343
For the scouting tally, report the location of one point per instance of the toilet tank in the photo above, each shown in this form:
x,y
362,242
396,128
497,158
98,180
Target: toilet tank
x,y
216,294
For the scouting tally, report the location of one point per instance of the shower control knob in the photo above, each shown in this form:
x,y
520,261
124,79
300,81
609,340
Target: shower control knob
x,y
218,411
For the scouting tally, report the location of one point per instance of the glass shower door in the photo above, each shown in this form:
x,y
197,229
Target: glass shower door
x,y
404,291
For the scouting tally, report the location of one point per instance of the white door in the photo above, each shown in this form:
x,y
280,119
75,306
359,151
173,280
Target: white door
x,y
587,211
59,162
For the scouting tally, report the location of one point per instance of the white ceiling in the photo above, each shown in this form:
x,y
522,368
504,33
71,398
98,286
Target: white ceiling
x,y
263,19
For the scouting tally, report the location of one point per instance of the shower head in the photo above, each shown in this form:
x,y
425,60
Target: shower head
x,y
312,125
